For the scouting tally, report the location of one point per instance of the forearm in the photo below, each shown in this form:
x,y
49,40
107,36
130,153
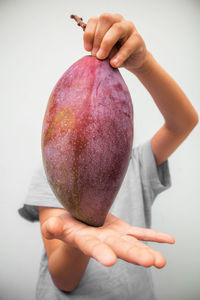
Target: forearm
x,y
67,266
178,112
65,262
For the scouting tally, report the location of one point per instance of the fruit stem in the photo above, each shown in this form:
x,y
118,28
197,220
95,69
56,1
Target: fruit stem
x,y
79,21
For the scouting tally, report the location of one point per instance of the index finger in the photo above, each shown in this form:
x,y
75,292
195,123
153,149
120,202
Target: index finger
x,y
151,235
89,33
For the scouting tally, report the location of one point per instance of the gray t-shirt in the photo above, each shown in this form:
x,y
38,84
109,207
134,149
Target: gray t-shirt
x,y
142,183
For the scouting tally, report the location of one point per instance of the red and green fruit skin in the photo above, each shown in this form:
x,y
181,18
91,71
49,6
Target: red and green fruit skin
x,y
87,138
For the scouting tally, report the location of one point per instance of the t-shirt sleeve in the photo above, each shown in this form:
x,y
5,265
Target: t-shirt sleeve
x,y
39,194
155,179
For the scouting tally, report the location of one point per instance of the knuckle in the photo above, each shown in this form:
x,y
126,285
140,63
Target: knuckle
x,y
141,50
87,35
130,25
125,53
97,42
105,17
130,251
138,36
118,27
118,17
93,20
105,43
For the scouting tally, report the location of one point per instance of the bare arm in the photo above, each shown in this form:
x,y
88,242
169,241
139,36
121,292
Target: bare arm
x,y
66,263
179,114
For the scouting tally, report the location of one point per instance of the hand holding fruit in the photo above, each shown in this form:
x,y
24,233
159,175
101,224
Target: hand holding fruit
x,y
102,34
115,239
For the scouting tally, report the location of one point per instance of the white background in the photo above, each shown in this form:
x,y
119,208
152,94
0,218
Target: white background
x,y
38,42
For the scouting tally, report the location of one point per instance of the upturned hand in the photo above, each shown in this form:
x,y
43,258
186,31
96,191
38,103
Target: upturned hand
x,y
115,239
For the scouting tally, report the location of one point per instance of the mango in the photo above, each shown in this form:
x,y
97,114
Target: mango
x,y
87,138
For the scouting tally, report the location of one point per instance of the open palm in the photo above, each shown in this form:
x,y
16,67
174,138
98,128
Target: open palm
x,y
115,239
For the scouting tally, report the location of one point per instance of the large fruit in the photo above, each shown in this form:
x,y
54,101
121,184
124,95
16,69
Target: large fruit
x,y
87,138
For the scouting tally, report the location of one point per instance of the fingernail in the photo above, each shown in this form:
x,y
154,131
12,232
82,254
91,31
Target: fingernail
x,y
88,47
100,54
94,51
115,62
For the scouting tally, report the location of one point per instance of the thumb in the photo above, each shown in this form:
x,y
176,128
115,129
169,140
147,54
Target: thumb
x,y
52,228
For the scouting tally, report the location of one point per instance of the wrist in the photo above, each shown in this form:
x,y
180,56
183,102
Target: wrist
x,y
145,67
67,265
